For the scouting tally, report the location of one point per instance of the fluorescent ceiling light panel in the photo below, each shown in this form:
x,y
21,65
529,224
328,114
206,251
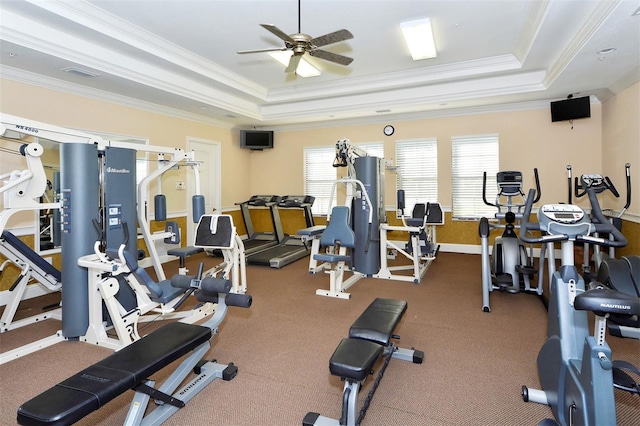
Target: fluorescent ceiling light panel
x,y
419,38
305,69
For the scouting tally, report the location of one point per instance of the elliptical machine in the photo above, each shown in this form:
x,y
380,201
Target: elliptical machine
x,y
575,368
600,184
510,264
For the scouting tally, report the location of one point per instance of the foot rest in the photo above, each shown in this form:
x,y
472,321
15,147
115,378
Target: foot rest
x,y
622,379
354,359
526,270
504,279
169,292
378,321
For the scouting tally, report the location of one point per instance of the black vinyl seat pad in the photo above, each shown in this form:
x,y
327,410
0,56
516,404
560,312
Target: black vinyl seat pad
x,y
354,358
91,388
379,320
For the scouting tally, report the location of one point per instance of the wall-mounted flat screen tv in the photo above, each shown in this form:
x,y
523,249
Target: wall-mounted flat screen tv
x,y
571,109
256,139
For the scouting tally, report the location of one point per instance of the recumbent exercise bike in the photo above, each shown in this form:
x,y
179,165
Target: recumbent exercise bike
x,y
575,368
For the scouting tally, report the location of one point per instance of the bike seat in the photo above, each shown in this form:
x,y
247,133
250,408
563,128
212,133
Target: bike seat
x,y
603,301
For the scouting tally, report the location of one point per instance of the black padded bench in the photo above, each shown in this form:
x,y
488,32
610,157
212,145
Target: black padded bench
x,y
370,336
130,368
74,398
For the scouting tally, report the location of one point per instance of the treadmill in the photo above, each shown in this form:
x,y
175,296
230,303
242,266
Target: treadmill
x,y
257,241
291,248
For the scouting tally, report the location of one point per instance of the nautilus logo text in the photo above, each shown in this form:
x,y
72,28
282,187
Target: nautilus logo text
x,y
112,170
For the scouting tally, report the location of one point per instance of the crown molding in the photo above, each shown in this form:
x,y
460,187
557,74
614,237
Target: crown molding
x,y
398,80
33,35
49,83
600,14
536,16
96,19
410,97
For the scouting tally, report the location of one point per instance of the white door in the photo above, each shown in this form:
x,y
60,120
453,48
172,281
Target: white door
x,y
207,153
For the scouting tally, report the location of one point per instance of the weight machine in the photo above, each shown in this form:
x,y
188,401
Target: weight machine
x,y
98,203
21,190
366,218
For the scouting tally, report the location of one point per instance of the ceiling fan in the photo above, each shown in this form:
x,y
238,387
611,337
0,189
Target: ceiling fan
x,y
300,44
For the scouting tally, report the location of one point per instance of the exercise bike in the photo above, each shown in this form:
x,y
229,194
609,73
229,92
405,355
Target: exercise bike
x,y
574,367
509,268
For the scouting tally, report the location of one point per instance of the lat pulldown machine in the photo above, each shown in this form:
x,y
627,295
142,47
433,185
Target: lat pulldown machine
x,y
363,215
98,194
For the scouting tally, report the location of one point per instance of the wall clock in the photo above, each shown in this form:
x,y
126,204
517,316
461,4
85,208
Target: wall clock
x,y
388,130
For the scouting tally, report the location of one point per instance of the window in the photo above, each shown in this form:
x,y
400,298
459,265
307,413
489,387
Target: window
x,y
471,157
319,176
374,149
417,171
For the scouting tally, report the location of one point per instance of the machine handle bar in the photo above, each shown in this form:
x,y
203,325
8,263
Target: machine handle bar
x,y
526,226
538,192
484,190
627,172
603,225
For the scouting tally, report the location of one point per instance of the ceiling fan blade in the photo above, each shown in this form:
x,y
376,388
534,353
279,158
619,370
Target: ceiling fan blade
x,y
331,38
293,63
278,32
271,49
330,56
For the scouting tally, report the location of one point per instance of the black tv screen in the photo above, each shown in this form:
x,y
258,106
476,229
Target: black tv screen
x,y
570,109
256,139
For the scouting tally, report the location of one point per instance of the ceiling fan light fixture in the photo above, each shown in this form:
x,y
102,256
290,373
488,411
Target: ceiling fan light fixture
x,y
419,38
305,69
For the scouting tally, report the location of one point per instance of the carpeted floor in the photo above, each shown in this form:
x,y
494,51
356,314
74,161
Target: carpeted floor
x,y
475,363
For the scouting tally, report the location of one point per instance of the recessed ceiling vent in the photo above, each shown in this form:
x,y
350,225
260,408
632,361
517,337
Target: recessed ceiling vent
x,y
81,72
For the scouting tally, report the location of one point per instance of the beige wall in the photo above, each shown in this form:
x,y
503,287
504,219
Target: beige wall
x,y
76,112
528,139
621,144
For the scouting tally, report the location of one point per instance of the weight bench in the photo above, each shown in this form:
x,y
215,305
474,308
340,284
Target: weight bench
x,y
130,368
354,358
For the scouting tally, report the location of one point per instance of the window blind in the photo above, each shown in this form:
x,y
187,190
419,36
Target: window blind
x,y
417,171
471,157
374,149
319,176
